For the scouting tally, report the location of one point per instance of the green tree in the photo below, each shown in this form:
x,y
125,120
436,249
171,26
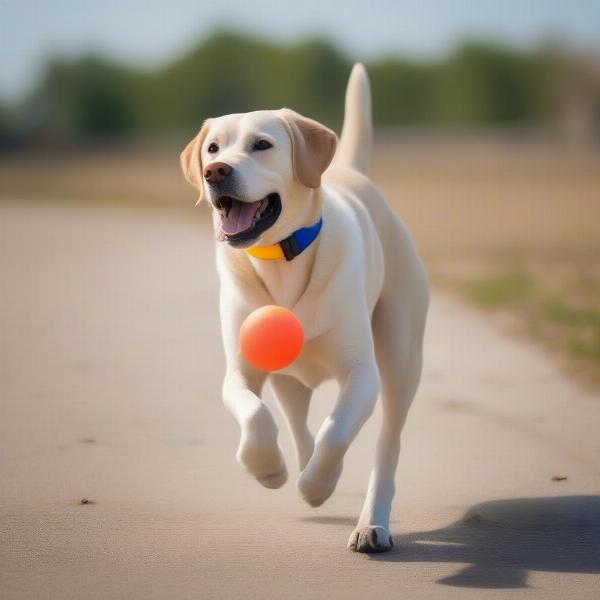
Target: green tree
x,y
476,85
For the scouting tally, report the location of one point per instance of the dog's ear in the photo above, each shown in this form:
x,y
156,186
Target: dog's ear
x,y
313,147
191,160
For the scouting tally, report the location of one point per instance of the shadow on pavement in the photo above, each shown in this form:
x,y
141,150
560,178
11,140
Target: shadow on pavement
x,y
502,541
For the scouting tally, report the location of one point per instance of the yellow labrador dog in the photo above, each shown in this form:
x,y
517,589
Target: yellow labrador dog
x,y
299,224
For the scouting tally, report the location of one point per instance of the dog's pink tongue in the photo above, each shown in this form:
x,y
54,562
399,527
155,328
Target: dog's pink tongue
x,y
239,217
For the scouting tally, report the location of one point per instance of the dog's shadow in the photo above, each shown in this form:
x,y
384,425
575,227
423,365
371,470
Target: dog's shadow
x,y
502,541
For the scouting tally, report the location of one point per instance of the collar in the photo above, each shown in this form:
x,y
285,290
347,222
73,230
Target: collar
x,y
291,246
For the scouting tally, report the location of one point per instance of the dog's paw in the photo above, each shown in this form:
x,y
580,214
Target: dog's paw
x,y
264,462
259,452
370,539
316,487
273,480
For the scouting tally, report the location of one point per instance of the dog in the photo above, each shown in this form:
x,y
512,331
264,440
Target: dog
x,y
299,224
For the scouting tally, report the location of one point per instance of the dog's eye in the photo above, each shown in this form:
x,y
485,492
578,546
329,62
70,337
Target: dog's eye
x,y
262,145
212,148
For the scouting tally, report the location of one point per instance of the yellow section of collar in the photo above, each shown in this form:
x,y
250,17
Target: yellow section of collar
x,y
266,252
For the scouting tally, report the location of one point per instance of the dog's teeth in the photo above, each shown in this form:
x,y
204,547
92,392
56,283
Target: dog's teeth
x,y
262,207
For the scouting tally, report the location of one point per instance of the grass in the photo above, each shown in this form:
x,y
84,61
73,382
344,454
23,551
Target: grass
x,y
560,313
581,325
122,175
500,291
574,317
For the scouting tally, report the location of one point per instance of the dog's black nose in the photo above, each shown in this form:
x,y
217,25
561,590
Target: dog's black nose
x,y
216,172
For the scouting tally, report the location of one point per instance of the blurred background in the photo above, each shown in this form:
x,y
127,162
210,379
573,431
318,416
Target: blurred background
x,y
487,117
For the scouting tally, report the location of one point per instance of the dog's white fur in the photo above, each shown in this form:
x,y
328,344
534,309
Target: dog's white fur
x,y
360,291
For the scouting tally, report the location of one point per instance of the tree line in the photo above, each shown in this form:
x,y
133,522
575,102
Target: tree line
x,y
477,84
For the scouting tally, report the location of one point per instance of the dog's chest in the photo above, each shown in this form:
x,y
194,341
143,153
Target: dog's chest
x,y
285,282
311,367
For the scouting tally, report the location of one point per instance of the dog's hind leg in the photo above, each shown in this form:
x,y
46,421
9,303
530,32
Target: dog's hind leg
x,y
294,399
399,360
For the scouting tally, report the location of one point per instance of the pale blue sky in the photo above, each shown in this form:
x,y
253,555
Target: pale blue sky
x,y
149,33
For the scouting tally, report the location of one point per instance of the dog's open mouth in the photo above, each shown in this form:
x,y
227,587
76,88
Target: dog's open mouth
x,y
242,222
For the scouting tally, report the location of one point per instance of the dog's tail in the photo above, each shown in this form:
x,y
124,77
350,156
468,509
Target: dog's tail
x,y
356,140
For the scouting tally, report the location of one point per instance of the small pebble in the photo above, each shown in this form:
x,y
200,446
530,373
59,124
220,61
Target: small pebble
x,y
559,477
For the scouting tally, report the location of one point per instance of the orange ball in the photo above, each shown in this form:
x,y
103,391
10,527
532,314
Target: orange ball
x,y
271,338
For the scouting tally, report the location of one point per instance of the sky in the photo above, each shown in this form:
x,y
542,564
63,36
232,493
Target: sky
x,y
150,33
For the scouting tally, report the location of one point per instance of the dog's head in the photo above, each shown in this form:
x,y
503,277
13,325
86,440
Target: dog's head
x,y
256,170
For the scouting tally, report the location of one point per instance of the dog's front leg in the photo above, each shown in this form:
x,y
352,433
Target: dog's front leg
x,y
258,451
360,387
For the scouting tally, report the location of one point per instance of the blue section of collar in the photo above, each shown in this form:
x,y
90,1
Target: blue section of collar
x,y
307,235
300,240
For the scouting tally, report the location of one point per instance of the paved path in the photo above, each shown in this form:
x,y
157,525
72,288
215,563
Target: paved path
x,y
110,368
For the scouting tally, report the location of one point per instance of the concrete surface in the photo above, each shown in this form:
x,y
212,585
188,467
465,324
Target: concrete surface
x,y
110,373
